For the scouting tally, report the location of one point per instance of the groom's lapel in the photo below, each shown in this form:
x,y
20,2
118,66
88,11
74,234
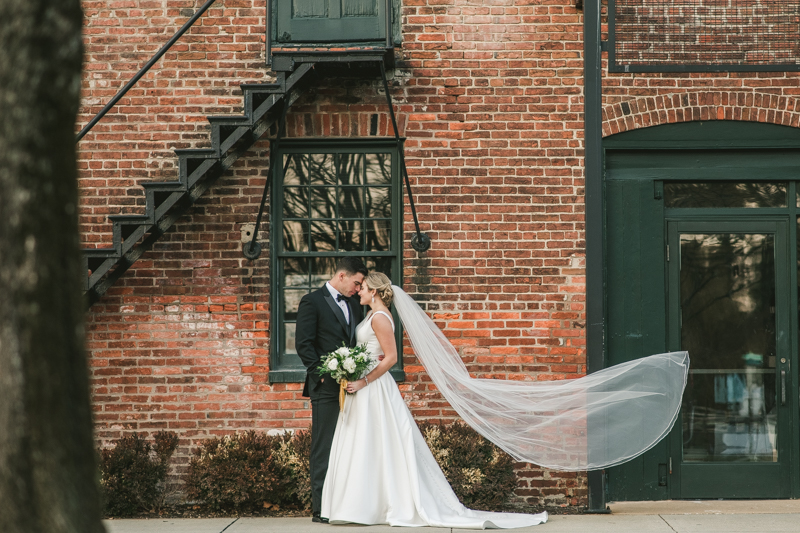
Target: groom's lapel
x,y
336,310
352,325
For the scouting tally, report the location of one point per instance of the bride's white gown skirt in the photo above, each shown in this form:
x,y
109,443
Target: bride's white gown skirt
x,y
382,472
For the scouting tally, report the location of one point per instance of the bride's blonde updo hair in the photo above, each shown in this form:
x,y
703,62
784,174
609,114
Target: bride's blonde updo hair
x,y
382,286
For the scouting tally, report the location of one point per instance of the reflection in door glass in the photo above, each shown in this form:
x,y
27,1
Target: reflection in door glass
x,y
727,291
725,194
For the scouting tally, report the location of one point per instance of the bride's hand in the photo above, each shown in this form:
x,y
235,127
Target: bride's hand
x,y
355,386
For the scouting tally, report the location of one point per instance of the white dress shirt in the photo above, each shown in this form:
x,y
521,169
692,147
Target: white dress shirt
x,y
341,303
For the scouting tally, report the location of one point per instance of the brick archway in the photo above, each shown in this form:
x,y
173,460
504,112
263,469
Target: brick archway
x,y
747,106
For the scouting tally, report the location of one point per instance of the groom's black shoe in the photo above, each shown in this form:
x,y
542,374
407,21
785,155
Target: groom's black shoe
x,y
316,518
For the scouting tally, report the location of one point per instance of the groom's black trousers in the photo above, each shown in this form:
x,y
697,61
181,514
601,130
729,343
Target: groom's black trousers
x,y
324,414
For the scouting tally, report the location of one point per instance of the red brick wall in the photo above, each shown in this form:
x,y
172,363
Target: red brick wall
x,y
489,96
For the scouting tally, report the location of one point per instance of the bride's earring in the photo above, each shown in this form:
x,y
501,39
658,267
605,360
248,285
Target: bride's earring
x,y
373,299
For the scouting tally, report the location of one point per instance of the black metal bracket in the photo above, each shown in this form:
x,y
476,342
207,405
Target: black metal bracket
x,y
251,250
420,242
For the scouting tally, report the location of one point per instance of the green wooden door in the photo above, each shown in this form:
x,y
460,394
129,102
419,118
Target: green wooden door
x,y
636,299
330,21
729,307
724,199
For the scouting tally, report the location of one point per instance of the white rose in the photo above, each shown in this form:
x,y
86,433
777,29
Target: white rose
x,y
349,364
333,364
344,352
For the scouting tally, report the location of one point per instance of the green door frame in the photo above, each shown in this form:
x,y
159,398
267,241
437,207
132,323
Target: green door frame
x,y
644,156
289,369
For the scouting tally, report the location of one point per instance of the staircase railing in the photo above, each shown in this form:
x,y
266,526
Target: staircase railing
x,y
153,60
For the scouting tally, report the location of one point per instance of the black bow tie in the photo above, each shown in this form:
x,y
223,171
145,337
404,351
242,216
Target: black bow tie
x,y
341,298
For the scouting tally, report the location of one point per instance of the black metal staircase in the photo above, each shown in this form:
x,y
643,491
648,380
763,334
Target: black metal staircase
x,y
231,137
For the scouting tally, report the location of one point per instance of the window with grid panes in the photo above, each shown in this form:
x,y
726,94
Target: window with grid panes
x,y
331,200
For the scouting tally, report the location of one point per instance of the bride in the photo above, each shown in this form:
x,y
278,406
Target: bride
x,y
382,472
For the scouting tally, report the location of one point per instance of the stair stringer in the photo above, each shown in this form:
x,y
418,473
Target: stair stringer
x,y
167,202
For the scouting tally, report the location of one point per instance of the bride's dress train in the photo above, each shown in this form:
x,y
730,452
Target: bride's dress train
x,y
381,470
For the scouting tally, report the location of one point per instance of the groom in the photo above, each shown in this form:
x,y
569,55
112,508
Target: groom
x,y
326,319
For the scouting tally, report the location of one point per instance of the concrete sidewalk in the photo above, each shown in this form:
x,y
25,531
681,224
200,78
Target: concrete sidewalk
x,y
629,517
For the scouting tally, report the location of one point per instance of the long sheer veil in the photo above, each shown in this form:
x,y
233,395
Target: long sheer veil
x,y
593,422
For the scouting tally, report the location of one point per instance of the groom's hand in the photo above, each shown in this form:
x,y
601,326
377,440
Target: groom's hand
x,y
381,357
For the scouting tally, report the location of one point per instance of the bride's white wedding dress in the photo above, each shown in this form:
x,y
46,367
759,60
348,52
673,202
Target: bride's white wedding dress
x,y
381,470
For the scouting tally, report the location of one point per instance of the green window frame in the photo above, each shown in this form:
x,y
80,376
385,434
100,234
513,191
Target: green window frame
x,y
330,199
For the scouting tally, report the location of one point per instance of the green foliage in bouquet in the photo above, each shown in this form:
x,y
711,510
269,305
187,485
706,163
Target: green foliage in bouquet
x,y
346,363
133,473
239,472
481,474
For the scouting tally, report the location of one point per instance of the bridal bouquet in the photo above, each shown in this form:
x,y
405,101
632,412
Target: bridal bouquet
x,y
345,364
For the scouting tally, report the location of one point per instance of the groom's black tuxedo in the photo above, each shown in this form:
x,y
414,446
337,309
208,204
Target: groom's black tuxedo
x,y
321,329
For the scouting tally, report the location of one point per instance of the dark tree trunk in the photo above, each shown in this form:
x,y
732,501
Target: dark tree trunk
x,y
47,459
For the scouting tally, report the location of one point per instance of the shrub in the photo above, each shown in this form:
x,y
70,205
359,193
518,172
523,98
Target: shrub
x,y
239,472
294,454
481,474
133,473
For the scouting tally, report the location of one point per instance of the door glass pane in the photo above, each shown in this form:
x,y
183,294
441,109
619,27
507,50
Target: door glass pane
x,y
323,236
351,202
351,235
724,194
291,302
350,169
321,169
323,202
295,202
727,291
379,235
296,166
379,202
379,169
295,236
321,269
295,272
290,330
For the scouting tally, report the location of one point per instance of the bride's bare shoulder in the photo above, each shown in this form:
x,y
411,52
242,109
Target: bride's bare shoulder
x,y
381,320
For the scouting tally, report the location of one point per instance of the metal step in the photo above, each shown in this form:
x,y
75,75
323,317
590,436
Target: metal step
x,y
194,162
227,131
255,94
161,196
96,262
128,229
